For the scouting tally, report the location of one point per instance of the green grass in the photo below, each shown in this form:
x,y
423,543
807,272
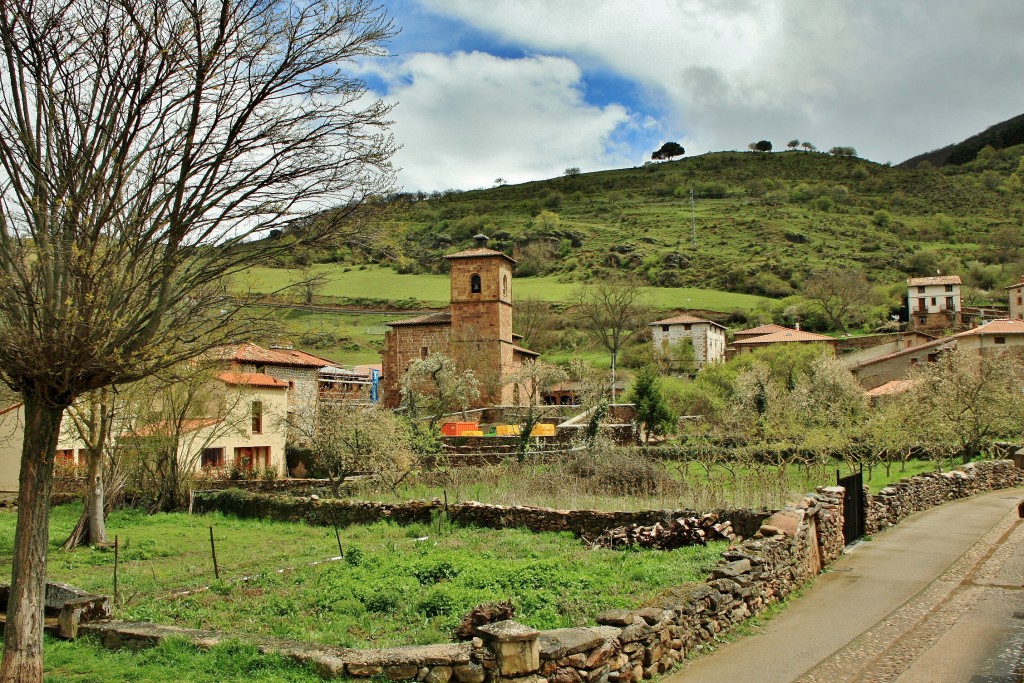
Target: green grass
x,y
85,661
381,284
397,585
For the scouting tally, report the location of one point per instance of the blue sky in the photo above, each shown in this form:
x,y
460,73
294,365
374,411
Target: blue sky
x,y
523,89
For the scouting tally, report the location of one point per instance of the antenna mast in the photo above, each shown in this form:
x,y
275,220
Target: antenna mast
x,y
693,224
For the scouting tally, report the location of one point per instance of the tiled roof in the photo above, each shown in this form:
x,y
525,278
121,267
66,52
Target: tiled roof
x,y
248,352
765,329
164,428
685,319
1000,327
786,336
1017,284
520,349
897,386
440,318
936,280
251,379
935,343
478,252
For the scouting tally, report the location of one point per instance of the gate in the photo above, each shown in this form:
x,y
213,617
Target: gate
x,y
853,505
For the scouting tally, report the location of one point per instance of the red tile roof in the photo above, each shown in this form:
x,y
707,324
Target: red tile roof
x,y
163,428
785,336
897,386
685,319
252,379
478,252
935,280
252,353
1001,327
764,329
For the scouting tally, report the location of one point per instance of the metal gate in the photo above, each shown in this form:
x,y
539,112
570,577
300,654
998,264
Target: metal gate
x,y
853,505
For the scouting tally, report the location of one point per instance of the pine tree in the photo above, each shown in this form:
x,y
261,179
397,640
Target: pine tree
x,y
653,415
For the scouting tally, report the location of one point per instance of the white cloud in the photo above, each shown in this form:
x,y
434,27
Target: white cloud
x,y
890,78
468,118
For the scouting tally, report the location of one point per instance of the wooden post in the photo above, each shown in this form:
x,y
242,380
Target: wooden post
x,y
337,536
213,550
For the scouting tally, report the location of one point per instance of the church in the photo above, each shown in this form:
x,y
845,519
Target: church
x,y
476,330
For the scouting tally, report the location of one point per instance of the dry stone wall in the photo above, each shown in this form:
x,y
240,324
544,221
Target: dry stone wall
x,y
923,491
325,512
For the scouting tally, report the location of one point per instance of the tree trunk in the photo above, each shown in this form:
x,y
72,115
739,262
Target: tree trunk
x,y
94,501
23,639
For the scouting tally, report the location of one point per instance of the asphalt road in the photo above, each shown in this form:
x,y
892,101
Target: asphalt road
x,y
939,598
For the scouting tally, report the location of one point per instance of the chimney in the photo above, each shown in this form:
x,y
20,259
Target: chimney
x,y
481,240
798,327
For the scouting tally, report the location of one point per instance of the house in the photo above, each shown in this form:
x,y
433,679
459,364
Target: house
x,y
476,329
934,303
748,341
242,426
706,336
991,337
70,448
1016,293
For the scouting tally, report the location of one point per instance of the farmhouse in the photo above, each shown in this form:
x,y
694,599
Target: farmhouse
x,y
933,303
992,337
706,336
476,330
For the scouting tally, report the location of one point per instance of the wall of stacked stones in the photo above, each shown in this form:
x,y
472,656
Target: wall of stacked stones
x,y
325,512
923,491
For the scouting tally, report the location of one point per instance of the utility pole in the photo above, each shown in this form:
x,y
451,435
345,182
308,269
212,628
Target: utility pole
x,y
693,223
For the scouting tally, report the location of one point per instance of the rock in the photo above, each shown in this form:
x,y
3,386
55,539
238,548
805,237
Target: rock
x,y
616,617
469,673
401,672
565,675
439,674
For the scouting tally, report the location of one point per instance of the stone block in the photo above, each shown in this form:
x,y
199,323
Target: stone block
x,y
438,674
515,645
469,673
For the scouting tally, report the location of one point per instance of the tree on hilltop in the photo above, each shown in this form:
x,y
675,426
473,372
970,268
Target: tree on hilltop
x,y
808,146
793,144
763,146
668,151
146,148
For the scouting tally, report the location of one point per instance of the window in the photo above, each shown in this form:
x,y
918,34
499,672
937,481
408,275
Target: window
x,y
257,417
664,328
933,301
504,285
949,288
920,290
922,320
213,458
424,352
932,357
686,326
1000,340
474,284
66,455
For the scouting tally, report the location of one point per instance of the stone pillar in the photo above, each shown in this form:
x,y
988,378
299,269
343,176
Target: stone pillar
x,y
515,646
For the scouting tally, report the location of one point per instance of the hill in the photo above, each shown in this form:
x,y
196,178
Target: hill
x,y
1000,136
762,222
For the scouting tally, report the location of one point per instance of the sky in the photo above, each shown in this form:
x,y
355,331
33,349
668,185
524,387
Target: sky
x,y
521,90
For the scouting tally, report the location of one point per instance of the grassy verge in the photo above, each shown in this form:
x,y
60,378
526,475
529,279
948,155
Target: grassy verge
x,y
396,586
85,661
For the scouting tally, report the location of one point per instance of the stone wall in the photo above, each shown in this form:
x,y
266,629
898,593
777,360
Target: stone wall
x,y
325,512
929,489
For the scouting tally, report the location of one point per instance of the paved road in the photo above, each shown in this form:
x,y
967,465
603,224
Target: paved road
x,y
937,599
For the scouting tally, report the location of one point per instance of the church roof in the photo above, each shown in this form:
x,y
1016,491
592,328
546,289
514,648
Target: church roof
x,y
479,252
438,318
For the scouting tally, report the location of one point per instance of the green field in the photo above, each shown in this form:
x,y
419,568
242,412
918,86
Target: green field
x,y
397,585
380,285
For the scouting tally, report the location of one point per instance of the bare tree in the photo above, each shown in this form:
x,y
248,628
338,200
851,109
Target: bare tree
x,y
612,310
143,148
537,322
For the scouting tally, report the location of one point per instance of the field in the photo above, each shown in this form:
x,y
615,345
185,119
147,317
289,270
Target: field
x,y
376,285
395,586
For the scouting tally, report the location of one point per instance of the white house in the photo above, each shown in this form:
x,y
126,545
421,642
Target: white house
x,y
707,337
12,437
934,302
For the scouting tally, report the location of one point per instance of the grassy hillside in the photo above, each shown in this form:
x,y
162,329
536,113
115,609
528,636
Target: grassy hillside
x,y
762,221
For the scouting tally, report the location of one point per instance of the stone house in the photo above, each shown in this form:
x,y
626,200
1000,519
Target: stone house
x,y
991,337
706,336
934,303
1016,296
476,330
